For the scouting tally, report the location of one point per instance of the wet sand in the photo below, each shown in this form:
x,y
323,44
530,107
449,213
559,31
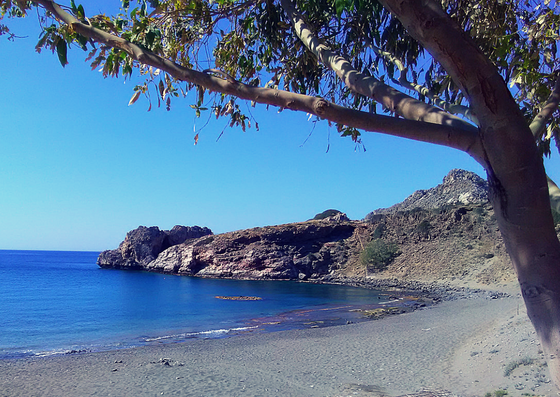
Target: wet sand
x,y
461,346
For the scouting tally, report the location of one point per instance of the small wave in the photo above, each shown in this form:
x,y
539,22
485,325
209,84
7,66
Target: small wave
x,y
388,302
59,352
213,332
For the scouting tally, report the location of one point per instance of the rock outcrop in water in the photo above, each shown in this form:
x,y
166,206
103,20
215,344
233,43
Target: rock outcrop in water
x,y
143,245
445,233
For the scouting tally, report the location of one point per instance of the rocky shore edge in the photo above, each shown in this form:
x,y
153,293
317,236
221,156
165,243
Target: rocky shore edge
x,y
437,291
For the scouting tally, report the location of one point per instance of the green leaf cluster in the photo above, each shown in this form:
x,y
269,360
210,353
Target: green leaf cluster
x,y
254,42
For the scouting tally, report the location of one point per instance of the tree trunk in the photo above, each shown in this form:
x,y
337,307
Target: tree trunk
x,y
516,175
535,252
541,292
542,299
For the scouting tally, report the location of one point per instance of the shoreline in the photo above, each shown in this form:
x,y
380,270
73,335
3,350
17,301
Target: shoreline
x,y
437,290
401,297
318,316
460,345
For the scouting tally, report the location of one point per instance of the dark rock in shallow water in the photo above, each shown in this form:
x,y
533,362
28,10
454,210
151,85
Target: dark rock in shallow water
x,y
143,245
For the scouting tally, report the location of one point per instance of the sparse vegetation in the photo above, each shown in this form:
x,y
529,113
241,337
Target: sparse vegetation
x,y
325,214
379,230
497,393
378,254
514,364
423,228
479,211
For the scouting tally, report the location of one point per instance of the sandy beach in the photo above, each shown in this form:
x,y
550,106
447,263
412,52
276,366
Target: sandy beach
x,y
465,347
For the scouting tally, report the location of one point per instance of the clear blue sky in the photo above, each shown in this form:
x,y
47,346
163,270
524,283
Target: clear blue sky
x,y
79,168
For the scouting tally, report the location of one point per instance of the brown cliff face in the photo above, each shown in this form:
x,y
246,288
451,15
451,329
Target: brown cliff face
x,y
294,251
456,243
459,243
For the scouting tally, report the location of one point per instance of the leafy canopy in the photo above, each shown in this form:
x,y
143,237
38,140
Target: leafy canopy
x,y
254,42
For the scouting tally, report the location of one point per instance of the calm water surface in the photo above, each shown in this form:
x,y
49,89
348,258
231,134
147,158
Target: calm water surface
x,y
53,302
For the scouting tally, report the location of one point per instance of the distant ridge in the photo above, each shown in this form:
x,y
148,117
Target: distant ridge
x,y
459,187
445,234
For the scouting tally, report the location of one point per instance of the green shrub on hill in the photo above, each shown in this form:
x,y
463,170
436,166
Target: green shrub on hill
x,y
378,254
423,228
379,230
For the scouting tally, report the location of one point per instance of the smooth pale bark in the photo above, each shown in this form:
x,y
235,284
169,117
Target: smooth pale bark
x,y
408,107
538,126
515,171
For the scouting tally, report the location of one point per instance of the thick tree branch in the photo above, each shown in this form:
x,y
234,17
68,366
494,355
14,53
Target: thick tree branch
x,y
394,100
446,135
452,108
538,124
477,77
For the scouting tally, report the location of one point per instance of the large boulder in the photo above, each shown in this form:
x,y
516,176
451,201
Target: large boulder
x,y
143,245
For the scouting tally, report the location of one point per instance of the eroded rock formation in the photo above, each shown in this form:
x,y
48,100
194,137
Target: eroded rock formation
x,y
445,233
143,245
298,250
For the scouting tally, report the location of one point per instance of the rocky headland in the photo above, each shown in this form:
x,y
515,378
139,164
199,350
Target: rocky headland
x,y
143,245
445,234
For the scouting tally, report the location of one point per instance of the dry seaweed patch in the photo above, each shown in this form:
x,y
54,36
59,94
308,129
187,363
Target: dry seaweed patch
x,y
239,298
380,312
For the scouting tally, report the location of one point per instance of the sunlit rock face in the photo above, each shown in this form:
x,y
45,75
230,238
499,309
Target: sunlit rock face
x,y
143,245
459,187
448,233
293,251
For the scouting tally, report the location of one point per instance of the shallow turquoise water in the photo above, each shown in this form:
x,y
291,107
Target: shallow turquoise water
x,y
53,302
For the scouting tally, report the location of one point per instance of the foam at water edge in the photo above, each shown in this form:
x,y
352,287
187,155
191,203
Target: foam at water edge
x,y
214,332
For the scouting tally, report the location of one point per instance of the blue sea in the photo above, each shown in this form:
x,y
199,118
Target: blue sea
x,y
60,302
